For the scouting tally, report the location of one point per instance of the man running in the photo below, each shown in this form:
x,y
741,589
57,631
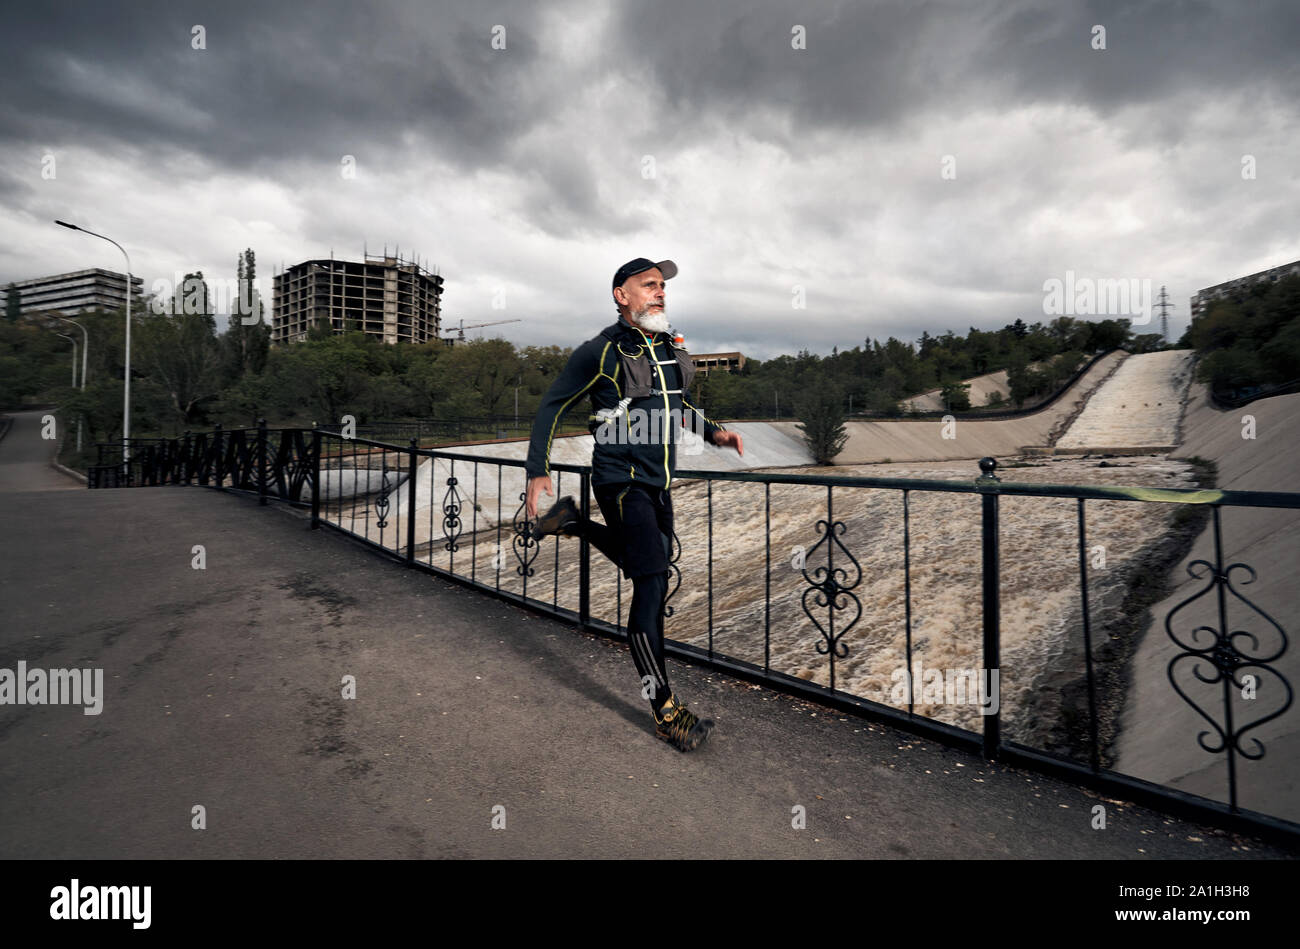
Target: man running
x,y
637,377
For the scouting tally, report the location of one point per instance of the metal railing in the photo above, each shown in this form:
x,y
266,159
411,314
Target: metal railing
x,y
1237,395
432,510
451,429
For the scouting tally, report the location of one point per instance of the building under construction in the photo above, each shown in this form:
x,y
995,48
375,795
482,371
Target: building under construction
x,y
391,299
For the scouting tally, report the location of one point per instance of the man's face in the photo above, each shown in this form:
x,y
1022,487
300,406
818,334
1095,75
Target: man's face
x,y
643,296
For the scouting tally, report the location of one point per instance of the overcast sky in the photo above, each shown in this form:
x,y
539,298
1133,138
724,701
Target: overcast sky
x,y
917,166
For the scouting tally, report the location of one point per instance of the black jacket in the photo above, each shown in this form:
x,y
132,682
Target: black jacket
x,y
639,402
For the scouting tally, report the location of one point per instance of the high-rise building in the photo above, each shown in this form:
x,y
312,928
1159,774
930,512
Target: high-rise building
x,y
76,292
389,298
1204,297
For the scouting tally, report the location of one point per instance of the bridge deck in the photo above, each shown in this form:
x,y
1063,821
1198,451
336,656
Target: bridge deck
x,y
222,689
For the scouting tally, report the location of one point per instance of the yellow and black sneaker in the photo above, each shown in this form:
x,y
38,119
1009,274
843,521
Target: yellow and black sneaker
x,y
679,727
560,519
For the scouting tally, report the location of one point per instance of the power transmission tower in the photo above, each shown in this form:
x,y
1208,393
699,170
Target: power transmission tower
x,y
1163,306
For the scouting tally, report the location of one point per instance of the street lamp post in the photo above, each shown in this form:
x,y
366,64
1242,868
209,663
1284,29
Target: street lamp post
x,y
126,394
74,356
74,385
85,353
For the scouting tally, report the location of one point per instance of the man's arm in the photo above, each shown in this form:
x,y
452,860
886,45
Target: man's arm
x,y
701,423
713,433
579,374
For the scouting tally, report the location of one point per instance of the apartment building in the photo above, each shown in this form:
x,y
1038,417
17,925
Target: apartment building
x,y
1204,297
76,292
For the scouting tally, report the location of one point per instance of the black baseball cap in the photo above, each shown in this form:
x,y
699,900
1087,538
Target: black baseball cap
x,y
641,264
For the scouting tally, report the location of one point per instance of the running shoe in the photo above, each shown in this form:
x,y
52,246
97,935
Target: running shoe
x,y
560,519
681,728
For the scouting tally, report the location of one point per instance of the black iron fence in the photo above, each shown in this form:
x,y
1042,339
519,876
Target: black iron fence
x,y
446,430
1235,395
462,516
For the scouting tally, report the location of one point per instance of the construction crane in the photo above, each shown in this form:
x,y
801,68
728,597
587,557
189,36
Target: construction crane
x,y
473,326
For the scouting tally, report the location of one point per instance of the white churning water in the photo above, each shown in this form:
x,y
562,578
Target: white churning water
x,y
1039,559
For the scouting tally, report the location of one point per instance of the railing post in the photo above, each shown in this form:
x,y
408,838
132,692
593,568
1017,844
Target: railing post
x,y
986,484
410,504
261,461
315,476
584,553
216,442
188,459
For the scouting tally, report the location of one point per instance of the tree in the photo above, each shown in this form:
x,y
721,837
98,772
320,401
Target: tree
x,y
246,344
1019,383
489,367
1147,343
255,337
333,373
956,396
821,420
194,298
1024,384
1230,369
181,361
1281,355
1109,334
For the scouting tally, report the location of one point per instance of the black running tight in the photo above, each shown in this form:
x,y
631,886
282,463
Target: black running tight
x,y
645,622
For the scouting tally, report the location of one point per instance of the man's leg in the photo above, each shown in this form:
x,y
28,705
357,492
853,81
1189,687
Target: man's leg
x,y
600,537
631,520
646,638
644,516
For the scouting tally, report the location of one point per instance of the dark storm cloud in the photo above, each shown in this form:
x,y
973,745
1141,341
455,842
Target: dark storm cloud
x,y
276,81
776,167
880,64
285,84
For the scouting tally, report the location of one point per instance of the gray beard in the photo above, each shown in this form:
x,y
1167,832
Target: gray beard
x,y
651,322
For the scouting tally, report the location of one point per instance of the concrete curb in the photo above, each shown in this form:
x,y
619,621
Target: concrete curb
x,y
80,478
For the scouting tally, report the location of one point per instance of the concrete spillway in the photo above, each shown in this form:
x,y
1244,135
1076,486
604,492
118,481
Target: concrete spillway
x,y
1139,406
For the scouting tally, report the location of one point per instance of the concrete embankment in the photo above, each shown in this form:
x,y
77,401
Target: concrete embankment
x,y
873,442
1158,740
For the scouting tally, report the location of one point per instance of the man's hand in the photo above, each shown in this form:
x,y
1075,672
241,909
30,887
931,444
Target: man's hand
x,y
535,486
722,439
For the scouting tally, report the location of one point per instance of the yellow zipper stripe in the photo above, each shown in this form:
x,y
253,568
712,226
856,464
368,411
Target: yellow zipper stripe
x,y
663,387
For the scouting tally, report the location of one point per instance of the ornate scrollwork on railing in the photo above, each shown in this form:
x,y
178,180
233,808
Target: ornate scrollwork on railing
x,y
451,523
381,504
674,571
526,549
830,591
1228,655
